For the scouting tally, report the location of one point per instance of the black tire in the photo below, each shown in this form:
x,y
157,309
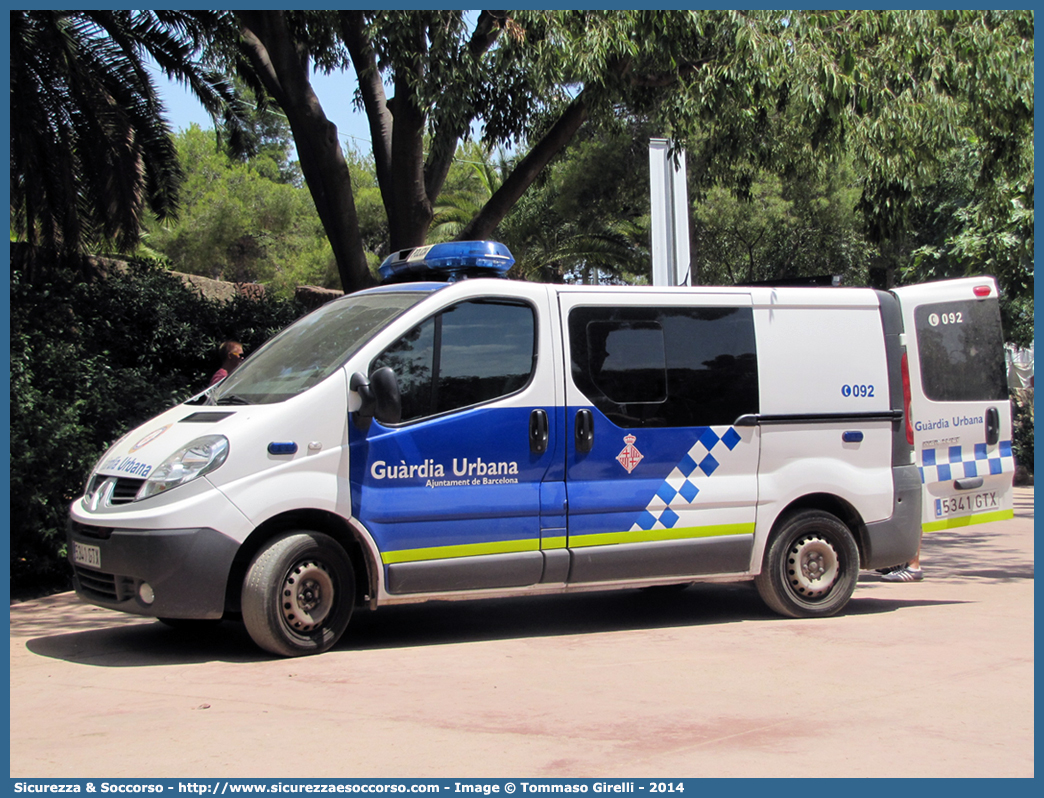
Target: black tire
x,y
810,567
298,594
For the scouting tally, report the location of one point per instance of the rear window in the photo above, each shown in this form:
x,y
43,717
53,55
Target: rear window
x,y
961,350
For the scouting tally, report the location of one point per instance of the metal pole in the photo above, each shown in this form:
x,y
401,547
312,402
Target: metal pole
x,y
670,215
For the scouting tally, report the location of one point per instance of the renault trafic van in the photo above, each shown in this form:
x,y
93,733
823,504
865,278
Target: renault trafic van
x,y
450,435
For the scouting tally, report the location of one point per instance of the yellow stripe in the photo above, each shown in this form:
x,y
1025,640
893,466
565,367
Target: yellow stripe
x,y
648,536
578,541
466,550
968,520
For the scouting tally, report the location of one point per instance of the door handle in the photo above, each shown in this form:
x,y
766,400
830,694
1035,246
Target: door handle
x,y
992,426
583,430
538,431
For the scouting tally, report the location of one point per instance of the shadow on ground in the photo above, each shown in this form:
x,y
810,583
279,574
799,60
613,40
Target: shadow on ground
x,y
140,642
61,627
975,553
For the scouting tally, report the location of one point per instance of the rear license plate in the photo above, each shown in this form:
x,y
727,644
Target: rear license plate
x,y
966,505
86,555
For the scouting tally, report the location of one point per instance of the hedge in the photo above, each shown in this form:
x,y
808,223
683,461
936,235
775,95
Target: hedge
x,y
91,359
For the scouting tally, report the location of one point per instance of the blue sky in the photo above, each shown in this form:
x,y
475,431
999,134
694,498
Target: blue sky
x,y
334,92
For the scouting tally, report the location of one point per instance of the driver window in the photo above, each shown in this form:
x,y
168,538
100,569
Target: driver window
x,y
468,354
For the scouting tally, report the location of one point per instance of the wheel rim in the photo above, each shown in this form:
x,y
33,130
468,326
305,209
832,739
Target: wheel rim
x,y
307,596
812,566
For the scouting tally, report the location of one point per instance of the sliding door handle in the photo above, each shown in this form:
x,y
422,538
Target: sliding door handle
x,y
583,431
538,431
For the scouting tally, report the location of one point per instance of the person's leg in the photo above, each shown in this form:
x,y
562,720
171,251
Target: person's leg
x,y
911,572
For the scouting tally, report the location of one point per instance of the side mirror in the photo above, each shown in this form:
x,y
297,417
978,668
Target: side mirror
x,y
379,396
385,389
367,401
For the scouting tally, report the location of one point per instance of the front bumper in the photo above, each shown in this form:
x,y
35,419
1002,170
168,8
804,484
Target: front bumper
x,y
186,569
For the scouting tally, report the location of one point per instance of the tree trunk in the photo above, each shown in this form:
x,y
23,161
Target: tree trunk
x,y
447,136
504,199
408,225
409,185
375,102
284,72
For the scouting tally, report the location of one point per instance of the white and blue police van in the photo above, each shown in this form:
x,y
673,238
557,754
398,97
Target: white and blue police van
x,y
449,435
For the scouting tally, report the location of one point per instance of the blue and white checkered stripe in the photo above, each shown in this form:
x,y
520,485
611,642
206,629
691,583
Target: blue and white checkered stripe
x,y
688,480
959,462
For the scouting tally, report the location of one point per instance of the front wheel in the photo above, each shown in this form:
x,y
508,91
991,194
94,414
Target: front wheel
x,y
810,567
298,594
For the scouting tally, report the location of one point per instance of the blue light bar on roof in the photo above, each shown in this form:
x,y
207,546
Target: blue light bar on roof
x,y
449,261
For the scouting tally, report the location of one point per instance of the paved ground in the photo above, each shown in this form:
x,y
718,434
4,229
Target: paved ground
x,y
929,679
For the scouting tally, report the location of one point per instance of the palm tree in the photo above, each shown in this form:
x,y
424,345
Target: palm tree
x,y
91,150
484,176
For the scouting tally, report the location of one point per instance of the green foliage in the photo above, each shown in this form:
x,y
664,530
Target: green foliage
x,y
1022,428
90,360
587,219
90,147
800,225
244,220
471,181
957,230
261,136
369,208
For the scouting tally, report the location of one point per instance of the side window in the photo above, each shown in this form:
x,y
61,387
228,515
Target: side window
x,y
665,367
470,353
412,359
628,361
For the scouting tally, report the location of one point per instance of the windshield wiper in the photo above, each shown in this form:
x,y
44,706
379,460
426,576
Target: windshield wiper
x,y
232,399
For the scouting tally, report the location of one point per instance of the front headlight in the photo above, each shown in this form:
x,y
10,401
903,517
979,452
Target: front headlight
x,y
200,457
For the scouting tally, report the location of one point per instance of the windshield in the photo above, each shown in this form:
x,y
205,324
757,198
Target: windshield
x,y
311,349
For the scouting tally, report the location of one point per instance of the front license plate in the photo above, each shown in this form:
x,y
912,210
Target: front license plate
x,y
86,555
966,505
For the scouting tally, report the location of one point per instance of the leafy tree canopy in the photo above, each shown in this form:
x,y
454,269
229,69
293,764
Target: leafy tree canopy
x,y
749,94
241,222
90,147
742,91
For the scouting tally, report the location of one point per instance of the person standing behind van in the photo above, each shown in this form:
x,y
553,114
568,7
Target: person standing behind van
x,y
911,572
231,353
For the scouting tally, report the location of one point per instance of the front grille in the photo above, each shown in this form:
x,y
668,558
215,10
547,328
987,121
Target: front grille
x,y
96,532
105,586
124,489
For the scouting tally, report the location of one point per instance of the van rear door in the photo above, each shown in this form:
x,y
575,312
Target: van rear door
x,y
959,415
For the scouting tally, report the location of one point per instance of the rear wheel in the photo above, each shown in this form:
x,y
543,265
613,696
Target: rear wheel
x,y
810,567
298,594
